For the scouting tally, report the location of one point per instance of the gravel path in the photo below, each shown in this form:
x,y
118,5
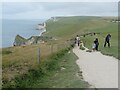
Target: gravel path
x,y
99,70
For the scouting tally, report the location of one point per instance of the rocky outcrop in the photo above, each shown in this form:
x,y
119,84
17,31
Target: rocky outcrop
x,y
19,40
41,26
54,19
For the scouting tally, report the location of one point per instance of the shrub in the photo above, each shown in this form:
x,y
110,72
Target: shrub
x,y
81,47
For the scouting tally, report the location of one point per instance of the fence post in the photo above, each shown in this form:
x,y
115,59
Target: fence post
x,y
38,55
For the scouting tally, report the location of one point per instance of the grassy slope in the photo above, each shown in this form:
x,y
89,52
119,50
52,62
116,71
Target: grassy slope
x,y
112,29
68,27
63,30
63,78
19,39
49,74
17,60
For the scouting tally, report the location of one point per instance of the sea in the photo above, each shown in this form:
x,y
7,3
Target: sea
x,y
24,28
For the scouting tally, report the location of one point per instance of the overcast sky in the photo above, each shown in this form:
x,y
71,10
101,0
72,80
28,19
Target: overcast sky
x,y
39,10
59,0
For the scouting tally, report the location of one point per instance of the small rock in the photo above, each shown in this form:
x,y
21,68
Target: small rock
x,y
17,71
88,50
25,64
80,71
62,68
69,52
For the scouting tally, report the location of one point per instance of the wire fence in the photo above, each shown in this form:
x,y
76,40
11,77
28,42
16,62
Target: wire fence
x,y
53,48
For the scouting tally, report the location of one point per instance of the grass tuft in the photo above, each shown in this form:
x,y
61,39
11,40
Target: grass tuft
x,y
6,52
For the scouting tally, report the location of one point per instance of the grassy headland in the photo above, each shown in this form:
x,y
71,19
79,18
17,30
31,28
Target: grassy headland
x,y
23,60
66,27
58,70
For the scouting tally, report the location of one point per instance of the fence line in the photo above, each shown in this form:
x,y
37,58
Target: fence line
x,y
38,55
52,48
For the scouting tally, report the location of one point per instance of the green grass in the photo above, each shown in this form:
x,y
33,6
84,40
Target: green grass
x,y
81,47
21,63
19,40
50,74
66,78
68,27
25,57
113,30
6,52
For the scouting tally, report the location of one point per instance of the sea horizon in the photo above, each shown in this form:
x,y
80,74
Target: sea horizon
x,y
23,27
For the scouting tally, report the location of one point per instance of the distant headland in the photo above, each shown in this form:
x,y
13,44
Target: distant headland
x,y
19,40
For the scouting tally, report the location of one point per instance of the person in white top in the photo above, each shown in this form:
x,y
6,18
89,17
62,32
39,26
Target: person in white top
x,y
78,40
93,46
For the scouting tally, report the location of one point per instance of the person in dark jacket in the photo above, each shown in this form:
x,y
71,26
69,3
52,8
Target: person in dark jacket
x,y
75,40
107,40
97,44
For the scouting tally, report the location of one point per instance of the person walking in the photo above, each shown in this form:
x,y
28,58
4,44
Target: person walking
x,y
107,40
78,40
96,44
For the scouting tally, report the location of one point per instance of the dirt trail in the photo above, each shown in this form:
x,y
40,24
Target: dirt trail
x,y
99,70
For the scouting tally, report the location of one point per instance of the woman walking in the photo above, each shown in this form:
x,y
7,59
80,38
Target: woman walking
x,y
96,44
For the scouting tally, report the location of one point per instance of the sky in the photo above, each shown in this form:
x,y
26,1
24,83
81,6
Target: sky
x,y
45,10
59,0
34,9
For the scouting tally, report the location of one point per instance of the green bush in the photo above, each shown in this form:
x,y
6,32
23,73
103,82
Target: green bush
x,y
82,48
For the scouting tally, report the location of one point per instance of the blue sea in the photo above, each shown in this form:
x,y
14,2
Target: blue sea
x,y
25,28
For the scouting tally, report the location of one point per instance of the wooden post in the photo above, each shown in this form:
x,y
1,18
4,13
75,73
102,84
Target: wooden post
x,y
38,55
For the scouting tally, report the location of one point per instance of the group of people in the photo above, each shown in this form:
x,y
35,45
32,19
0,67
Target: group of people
x,y
96,42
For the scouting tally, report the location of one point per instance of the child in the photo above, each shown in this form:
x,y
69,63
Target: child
x,y
93,46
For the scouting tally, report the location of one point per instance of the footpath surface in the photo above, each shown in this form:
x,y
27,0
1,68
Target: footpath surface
x,y
98,70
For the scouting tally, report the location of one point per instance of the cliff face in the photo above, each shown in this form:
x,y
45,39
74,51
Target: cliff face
x,y
41,26
19,40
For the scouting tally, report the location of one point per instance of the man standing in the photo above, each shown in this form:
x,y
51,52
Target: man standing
x,y
107,40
